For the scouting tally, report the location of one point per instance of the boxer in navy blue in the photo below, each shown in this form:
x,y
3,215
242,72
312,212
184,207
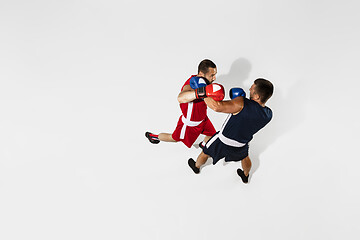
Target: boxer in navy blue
x,y
247,117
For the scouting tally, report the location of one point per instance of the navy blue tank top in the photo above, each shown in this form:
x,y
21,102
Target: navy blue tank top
x,y
242,126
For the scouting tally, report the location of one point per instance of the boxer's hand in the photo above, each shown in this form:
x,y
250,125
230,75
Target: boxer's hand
x,y
196,82
215,91
236,92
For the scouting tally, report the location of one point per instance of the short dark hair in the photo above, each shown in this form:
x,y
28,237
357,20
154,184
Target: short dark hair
x,y
264,88
205,65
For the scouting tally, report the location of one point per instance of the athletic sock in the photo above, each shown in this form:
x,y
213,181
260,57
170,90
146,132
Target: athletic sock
x,y
244,178
192,164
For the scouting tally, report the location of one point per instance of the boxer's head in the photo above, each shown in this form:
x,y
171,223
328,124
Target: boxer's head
x,y
207,69
261,90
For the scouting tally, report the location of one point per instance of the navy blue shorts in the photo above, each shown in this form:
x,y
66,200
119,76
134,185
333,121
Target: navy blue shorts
x,y
218,150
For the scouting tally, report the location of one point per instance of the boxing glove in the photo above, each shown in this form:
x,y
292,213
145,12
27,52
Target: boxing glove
x,y
236,92
196,82
214,90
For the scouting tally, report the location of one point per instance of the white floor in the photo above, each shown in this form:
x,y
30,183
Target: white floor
x,y
81,82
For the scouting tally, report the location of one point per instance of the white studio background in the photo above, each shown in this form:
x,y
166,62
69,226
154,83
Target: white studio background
x,y
82,81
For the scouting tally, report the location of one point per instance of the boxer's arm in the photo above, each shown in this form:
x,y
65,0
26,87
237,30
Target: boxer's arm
x,y
186,95
233,106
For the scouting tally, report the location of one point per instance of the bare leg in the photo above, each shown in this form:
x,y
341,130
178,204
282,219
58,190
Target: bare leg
x,y
166,137
201,160
246,165
206,139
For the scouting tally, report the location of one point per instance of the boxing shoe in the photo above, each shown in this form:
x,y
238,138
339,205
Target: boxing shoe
x,y
192,165
152,137
244,178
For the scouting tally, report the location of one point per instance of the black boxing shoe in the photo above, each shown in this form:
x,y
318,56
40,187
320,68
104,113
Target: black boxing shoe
x,y
152,137
244,178
191,163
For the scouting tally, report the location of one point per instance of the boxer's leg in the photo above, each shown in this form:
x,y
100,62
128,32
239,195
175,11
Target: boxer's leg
x,y
153,138
206,138
201,160
246,165
208,131
166,137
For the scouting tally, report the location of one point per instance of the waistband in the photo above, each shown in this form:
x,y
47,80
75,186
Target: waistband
x,y
230,142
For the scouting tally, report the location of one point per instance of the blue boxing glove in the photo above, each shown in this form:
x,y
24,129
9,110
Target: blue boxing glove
x,y
196,82
237,92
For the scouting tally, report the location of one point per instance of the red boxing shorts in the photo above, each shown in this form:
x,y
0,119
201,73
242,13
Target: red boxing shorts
x,y
188,133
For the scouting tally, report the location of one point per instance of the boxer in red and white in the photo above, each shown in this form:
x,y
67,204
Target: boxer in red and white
x,y
194,120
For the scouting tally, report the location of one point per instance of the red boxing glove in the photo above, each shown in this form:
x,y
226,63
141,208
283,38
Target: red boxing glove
x,y
215,91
